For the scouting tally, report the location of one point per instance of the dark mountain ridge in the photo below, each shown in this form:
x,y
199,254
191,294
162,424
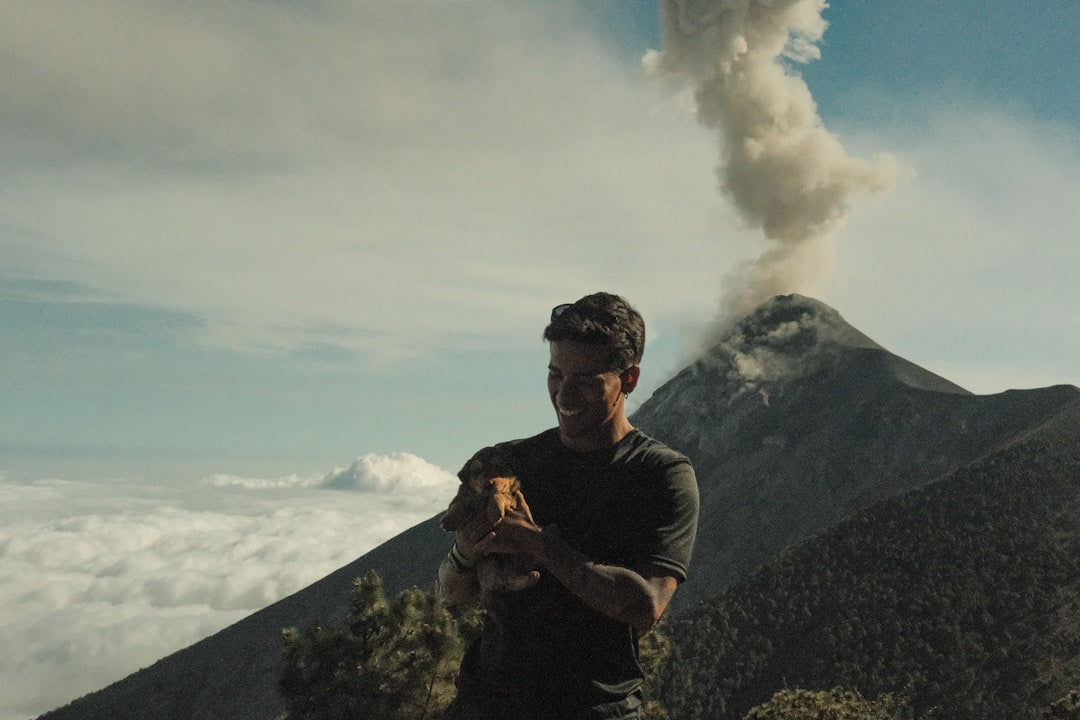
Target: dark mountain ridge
x,y
794,421
962,596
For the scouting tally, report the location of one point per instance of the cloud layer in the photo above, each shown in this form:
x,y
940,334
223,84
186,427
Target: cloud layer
x,y
350,174
394,182
100,579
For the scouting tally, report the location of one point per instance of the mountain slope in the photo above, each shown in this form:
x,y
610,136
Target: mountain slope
x,y
962,595
794,420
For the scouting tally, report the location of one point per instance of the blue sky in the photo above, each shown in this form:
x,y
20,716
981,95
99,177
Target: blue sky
x,y
270,238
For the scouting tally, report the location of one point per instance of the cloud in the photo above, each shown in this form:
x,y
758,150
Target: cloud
x,y
389,179
388,182
223,480
99,579
395,473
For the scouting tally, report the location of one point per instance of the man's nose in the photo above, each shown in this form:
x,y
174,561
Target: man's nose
x,y
568,389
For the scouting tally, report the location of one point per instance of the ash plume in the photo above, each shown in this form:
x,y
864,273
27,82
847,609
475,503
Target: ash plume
x,y
784,172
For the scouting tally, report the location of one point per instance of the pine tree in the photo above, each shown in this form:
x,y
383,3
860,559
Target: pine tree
x,y
399,660
835,704
1066,708
390,661
654,647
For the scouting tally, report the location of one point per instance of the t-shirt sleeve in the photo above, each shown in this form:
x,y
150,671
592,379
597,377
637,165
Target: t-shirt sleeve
x,y
674,523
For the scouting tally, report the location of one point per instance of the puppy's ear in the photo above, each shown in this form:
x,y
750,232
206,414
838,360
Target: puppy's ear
x,y
473,466
492,462
451,521
460,509
478,484
495,508
454,516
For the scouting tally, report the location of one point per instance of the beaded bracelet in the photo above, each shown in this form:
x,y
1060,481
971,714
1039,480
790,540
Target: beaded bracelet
x,y
461,562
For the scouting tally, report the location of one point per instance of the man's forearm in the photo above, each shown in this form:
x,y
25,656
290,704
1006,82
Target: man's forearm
x,y
617,592
456,587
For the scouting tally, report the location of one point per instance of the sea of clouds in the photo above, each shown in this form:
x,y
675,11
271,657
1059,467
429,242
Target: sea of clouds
x,y
101,578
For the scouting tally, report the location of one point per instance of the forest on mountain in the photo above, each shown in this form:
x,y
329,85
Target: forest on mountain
x,y
961,597
397,659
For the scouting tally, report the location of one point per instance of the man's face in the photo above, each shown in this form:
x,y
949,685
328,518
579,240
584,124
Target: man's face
x,y
587,396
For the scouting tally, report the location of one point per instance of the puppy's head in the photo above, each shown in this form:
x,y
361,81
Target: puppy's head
x,y
488,463
484,475
503,497
503,485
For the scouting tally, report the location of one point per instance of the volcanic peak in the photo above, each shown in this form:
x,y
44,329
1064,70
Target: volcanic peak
x,y
790,339
787,337
794,324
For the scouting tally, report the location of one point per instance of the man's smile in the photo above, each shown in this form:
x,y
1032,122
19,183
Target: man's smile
x,y
568,412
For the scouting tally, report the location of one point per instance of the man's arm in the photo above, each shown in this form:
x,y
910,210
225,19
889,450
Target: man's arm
x,y
457,580
456,586
618,592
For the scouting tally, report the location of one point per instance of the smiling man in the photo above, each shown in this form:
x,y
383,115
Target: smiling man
x,y
607,514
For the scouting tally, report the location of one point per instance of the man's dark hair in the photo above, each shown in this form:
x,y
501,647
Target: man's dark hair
x,y
601,319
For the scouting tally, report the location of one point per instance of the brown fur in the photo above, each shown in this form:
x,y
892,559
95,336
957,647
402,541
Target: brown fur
x,y
488,486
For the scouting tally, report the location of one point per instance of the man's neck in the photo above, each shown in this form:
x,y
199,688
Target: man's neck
x,y
599,441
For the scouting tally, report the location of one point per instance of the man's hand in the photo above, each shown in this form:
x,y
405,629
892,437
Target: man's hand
x,y
457,586
476,538
618,592
515,534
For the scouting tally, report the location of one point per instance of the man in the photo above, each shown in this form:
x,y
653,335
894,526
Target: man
x,y
608,516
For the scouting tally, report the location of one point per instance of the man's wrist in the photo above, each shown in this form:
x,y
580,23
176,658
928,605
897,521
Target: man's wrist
x,y
458,559
549,542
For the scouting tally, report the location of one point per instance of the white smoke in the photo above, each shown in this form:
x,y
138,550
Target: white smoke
x,y
782,169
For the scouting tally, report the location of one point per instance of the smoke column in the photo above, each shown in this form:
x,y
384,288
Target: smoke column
x,y
783,171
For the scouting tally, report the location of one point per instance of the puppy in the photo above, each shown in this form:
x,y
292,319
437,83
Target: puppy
x,y
489,488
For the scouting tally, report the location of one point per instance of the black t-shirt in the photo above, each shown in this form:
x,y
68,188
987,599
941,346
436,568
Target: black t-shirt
x,y
634,505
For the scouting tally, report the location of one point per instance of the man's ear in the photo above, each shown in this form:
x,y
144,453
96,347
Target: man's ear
x,y
629,378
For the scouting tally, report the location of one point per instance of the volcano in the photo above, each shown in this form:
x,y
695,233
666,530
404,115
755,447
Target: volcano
x,y
795,421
